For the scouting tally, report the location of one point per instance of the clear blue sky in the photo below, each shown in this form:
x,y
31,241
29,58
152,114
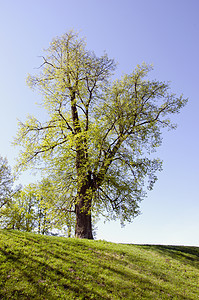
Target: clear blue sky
x,y
165,33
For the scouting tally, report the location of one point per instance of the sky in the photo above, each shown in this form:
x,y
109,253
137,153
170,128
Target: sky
x,y
159,32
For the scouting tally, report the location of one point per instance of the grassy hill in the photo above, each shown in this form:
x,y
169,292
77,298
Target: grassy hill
x,y
41,267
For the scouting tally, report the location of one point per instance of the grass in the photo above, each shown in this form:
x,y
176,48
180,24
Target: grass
x,y
42,267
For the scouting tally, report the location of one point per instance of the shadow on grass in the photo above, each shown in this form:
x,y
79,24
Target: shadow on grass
x,y
77,269
37,273
186,254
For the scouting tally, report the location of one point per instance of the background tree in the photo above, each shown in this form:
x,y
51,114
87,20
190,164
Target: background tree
x,y
6,182
19,212
100,132
10,213
49,209
34,208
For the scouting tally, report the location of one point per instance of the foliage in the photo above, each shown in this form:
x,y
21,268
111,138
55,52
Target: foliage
x,y
99,134
42,267
7,191
34,208
6,182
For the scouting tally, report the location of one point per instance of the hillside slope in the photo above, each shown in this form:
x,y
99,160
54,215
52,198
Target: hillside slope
x,y
41,267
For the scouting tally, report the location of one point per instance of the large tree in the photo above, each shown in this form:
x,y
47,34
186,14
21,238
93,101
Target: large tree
x,y
99,134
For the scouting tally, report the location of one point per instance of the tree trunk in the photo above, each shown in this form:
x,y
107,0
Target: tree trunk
x,y
83,226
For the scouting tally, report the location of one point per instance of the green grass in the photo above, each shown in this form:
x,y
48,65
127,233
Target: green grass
x,y
41,267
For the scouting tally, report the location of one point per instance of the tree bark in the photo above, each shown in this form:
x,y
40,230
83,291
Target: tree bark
x,y
83,226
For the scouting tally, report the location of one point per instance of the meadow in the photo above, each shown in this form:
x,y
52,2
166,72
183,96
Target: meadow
x,y
33,266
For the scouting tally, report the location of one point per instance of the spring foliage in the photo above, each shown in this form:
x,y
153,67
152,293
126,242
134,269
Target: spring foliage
x,y
6,182
97,140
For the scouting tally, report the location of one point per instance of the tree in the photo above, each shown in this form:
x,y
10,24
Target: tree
x,y
48,208
33,208
6,182
99,134
19,212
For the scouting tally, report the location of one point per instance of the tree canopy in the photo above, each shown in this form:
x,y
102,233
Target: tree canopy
x,y
97,140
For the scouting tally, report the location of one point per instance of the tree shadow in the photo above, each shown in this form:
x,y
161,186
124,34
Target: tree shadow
x,y
37,273
186,254
63,264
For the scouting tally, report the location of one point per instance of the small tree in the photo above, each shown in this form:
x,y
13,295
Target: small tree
x,y
99,133
18,213
34,208
6,182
